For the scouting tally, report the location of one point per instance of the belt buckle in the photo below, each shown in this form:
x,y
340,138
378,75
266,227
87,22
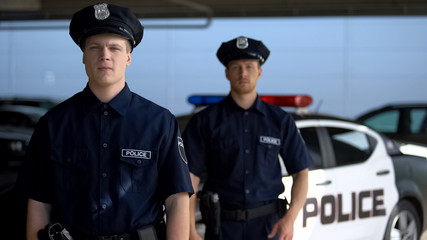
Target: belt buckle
x,y
112,237
241,215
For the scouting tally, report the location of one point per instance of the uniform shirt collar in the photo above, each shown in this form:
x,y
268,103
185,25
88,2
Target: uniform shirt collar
x,y
119,103
258,106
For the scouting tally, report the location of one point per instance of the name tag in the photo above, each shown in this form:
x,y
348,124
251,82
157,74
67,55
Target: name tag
x,y
270,140
134,153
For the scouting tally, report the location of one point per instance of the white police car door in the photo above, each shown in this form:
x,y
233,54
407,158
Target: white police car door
x,y
351,188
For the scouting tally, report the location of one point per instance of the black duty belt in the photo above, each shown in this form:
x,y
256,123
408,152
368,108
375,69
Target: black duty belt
x,y
125,236
147,232
251,213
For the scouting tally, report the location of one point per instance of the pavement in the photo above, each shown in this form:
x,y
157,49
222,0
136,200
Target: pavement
x,y
424,236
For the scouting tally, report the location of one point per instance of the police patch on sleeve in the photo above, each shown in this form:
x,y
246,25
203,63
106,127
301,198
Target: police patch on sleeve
x,y
181,150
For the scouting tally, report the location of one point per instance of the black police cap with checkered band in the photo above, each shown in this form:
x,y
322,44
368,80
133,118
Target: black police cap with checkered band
x,y
242,48
105,18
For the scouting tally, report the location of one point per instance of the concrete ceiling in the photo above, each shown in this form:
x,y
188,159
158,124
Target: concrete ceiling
x,y
63,9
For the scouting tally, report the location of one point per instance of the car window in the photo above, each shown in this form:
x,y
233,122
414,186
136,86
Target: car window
x,y
384,122
15,119
418,121
350,146
312,142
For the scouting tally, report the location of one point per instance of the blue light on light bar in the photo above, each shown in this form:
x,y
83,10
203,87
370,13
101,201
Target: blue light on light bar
x,y
202,100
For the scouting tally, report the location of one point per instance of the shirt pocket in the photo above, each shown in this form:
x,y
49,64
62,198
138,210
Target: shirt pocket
x,y
65,166
138,174
269,154
225,154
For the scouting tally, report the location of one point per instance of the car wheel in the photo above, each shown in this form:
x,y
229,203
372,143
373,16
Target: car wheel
x,y
404,223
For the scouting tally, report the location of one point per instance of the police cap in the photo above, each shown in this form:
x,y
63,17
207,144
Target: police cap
x,y
105,18
242,48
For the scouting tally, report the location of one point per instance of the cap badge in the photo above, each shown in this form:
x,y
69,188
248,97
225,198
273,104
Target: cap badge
x,y
242,42
101,11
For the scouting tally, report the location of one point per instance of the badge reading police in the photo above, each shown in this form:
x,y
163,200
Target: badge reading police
x,y
242,42
181,150
101,11
269,140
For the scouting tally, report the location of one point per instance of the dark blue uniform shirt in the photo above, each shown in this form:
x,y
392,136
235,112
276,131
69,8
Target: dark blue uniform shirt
x,y
106,168
239,150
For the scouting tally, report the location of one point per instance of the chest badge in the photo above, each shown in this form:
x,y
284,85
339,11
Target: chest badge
x,y
269,140
135,153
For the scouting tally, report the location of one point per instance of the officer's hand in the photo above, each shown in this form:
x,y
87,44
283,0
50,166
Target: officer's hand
x,y
195,236
284,228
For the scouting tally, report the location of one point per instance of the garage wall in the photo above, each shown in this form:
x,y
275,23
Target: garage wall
x,y
348,64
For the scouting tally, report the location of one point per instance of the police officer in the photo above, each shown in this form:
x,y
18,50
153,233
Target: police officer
x,y
236,142
106,161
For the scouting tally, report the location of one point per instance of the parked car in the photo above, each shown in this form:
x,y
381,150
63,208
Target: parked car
x,y
46,103
406,123
18,116
360,186
17,124
16,127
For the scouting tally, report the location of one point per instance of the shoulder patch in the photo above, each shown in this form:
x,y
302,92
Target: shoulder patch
x,y
181,150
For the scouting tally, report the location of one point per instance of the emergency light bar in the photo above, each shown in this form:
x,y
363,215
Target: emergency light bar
x,y
299,101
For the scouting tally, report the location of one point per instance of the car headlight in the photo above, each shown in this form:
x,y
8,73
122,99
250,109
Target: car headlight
x,y
16,146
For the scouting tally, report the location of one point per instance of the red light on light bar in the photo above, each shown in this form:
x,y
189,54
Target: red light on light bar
x,y
288,101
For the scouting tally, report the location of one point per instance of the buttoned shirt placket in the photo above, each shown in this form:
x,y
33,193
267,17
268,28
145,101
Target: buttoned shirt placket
x,y
247,153
104,163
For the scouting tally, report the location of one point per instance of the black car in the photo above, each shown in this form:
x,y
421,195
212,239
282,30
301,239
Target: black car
x,y
17,124
46,103
406,123
16,127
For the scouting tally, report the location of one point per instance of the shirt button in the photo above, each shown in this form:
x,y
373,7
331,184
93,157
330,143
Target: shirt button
x,y
104,145
104,206
247,151
105,106
139,162
246,113
246,130
247,172
105,113
104,175
247,191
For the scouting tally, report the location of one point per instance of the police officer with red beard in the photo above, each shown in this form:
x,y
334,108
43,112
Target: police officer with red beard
x,y
236,144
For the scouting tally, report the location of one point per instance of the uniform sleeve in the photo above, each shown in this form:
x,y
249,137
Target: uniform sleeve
x,y
294,151
33,179
174,176
195,146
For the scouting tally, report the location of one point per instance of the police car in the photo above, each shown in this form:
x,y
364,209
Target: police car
x,y
360,186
